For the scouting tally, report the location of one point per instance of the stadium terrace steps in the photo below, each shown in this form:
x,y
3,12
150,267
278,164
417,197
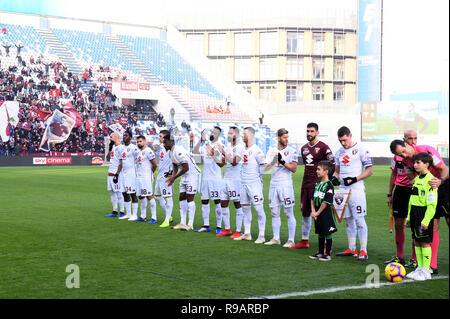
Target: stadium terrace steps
x,y
64,55
149,76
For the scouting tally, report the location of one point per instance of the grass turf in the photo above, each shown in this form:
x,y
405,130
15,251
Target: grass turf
x,y
53,216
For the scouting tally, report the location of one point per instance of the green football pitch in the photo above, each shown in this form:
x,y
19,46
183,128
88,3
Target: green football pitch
x,y
52,217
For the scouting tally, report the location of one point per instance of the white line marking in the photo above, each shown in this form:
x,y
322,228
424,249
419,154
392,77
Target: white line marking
x,y
336,289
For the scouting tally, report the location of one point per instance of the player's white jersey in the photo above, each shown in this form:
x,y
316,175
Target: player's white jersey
x,y
114,160
165,164
351,162
211,171
280,174
252,164
179,155
143,164
233,172
128,155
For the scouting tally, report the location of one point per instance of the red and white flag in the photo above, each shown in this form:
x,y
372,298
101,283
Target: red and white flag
x,y
71,111
91,125
9,118
58,130
54,93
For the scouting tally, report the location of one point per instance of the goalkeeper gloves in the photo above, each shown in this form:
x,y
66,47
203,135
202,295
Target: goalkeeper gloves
x,y
116,178
335,181
280,159
349,181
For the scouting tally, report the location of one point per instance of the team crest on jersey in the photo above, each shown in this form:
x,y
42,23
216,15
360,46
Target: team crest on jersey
x,y
286,153
339,199
317,149
128,149
355,151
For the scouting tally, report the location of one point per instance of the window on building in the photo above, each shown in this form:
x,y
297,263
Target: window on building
x,y
217,44
242,70
338,93
268,43
268,69
268,92
196,41
318,92
318,43
338,71
294,69
338,43
242,44
318,69
220,65
295,42
294,93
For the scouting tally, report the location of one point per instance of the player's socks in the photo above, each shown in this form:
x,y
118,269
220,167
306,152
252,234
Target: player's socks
x,y
226,217
434,249
239,218
400,242
219,215
418,250
153,208
426,257
134,208
144,208
351,232
306,227
114,200
328,245
128,208
276,222
247,219
183,210
362,232
205,214
168,209
121,202
413,253
191,209
321,243
261,219
292,223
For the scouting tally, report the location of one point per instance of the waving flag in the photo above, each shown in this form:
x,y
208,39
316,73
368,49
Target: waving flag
x,y
91,125
116,127
57,131
41,114
54,93
9,117
70,110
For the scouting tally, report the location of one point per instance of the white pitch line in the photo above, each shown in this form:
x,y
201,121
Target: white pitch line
x,y
336,289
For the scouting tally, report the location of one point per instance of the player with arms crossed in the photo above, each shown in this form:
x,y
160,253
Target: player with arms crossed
x,y
231,158
115,186
163,192
440,181
211,177
350,160
189,183
145,168
282,160
398,194
252,186
313,152
127,166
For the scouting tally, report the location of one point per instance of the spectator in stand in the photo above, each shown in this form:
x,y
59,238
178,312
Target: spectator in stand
x,y
208,109
85,76
7,46
19,47
172,115
261,117
191,141
4,30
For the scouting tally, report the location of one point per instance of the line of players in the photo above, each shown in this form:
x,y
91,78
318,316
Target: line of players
x,y
132,167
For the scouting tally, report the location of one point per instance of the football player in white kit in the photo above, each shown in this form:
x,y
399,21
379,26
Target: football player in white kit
x,y
127,167
163,192
189,183
145,168
211,185
231,157
350,160
282,160
252,186
115,188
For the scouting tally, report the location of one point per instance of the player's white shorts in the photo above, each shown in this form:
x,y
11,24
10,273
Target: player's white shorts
x,y
252,193
162,188
190,184
111,186
281,195
211,189
231,190
129,182
144,186
357,205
